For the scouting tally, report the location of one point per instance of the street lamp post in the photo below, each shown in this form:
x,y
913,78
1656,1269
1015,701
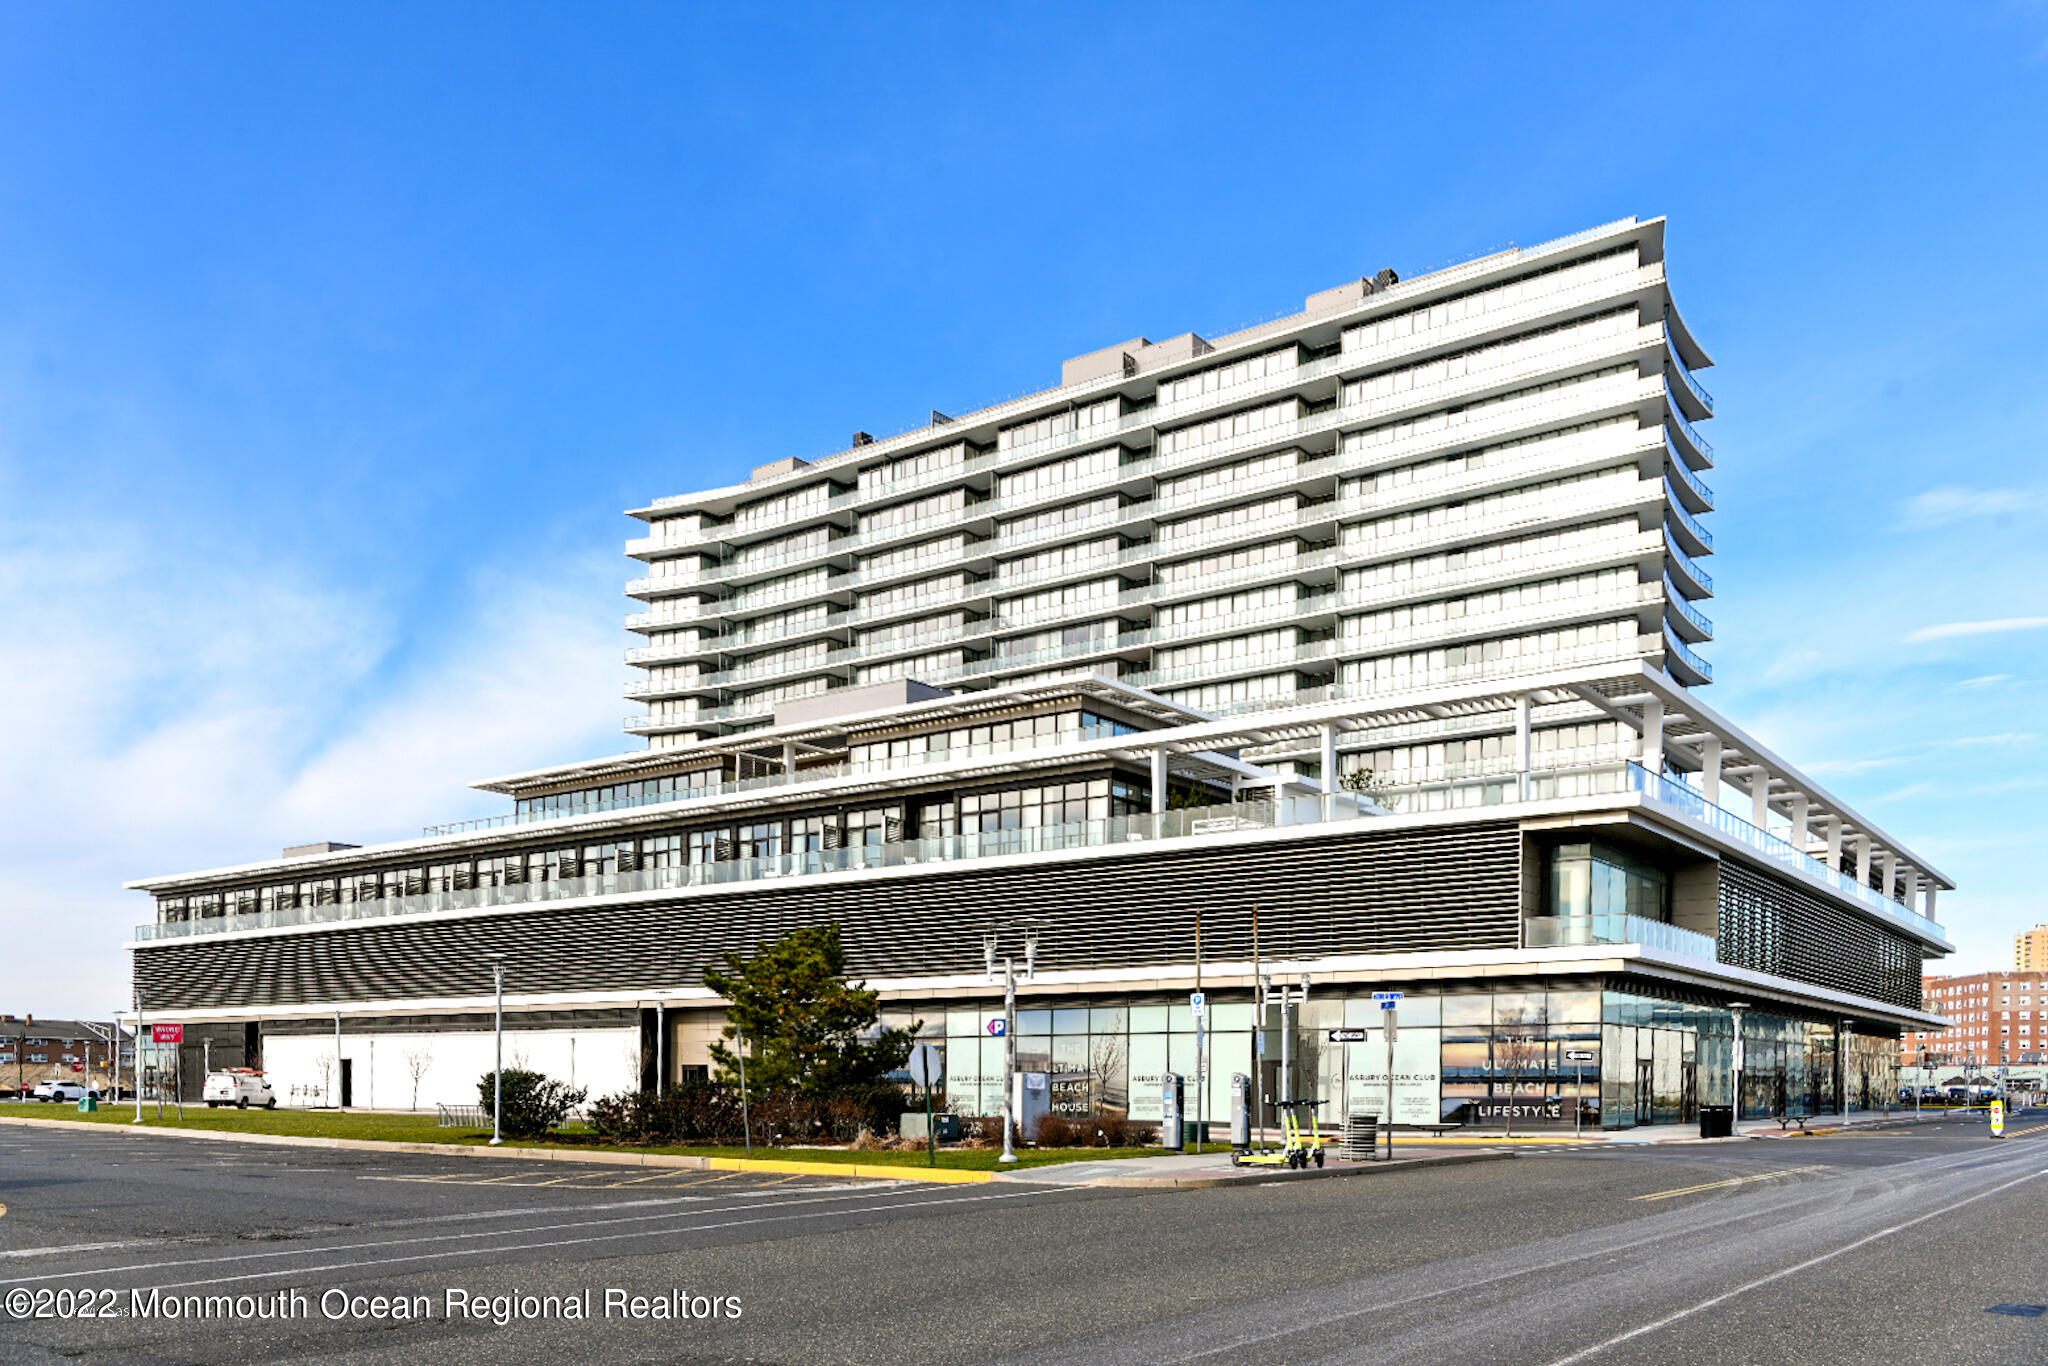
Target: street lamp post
x,y
1735,1060
989,944
138,1057
498,1066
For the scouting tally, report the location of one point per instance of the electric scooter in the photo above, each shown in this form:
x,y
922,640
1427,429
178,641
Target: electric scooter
x,y
1303,1144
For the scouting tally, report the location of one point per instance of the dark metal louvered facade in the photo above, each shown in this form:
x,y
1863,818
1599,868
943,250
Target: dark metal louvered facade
x,y
1417,890
1769,925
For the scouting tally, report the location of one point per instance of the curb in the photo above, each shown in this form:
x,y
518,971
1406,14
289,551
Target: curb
x,y
1261,1177
677,1161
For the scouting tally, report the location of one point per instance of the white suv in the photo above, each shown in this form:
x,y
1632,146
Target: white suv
x,y
57,1089
240,1087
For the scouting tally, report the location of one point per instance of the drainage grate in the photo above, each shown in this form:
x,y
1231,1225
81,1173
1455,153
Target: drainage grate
x,y
2019,1311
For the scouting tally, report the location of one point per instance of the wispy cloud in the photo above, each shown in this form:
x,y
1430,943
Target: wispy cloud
x,y
1984,681
1953,503
1948,630
224,714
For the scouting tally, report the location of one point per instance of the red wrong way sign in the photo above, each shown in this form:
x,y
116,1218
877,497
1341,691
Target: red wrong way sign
x,y
167,1033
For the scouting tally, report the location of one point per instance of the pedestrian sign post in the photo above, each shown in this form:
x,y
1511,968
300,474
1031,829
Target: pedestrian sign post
x,y
1998,1117
1198,1003
1578,1058
926,1065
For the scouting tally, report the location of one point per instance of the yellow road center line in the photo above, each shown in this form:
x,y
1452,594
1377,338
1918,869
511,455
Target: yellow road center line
x,y
1719,1185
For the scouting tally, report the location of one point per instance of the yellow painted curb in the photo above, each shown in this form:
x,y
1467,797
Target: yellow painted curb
x,y
872,1171
627,1157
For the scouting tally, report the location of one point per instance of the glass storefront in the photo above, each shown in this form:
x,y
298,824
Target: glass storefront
x,y
1539,1057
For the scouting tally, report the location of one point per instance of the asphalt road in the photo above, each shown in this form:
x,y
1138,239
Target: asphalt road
x,y
1817,1250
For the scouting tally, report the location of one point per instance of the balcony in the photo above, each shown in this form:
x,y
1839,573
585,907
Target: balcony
x,y
1676,796
1696,582
1692,386
1682,664
1694,536
1557,932
1691,623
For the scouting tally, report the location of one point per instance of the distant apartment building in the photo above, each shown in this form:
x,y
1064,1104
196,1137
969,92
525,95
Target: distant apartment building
x,y
33,1050
2030,950
1999,1019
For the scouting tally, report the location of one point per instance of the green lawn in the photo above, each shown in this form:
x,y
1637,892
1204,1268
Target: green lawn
x,y
423,1129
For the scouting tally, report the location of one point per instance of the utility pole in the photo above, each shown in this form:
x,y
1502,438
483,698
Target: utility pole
x,y
138,1056
1201,1036
498,1066
989,945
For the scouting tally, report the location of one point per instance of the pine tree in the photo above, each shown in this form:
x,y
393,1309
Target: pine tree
x,y
807,1028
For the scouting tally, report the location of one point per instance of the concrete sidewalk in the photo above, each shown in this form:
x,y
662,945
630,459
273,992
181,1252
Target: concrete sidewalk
x,y
1197,1171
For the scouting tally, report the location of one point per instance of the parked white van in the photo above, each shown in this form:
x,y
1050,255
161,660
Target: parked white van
x,y
240,1087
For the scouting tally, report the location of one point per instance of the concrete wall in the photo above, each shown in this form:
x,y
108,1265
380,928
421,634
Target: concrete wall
x,y
1696,897
603,1060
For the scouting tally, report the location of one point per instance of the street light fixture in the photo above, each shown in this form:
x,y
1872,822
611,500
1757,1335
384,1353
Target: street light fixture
x,y
498,1067
990,943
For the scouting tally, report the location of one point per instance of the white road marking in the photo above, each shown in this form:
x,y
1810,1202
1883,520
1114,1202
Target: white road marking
x,y
74,1247
458,1237
1584,1352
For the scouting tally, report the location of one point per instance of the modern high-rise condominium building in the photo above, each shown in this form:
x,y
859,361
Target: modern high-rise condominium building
x,y
1353,651
1488,470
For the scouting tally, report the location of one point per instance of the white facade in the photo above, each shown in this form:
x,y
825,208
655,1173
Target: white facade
x,y
303,1067
1484,472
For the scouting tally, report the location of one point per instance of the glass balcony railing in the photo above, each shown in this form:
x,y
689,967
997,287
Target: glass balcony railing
x,y
1684,472
1693,386
1673,645
1684,424
1689,566
1685,609
1669,792
1558,932
1193,822
1690,522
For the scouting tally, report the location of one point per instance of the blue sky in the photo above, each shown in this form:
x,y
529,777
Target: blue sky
x,y
332,344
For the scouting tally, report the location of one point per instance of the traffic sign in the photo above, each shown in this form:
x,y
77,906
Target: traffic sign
x,y
1350,1035
1386,996
926,1064
998,1027
1198,1001
1579,1055
1394,1004
167,1033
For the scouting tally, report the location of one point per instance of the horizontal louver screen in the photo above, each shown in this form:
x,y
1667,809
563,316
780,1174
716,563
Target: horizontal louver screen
x,y
1399,892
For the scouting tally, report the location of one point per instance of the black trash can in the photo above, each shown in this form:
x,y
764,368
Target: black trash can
x,y
1717,1121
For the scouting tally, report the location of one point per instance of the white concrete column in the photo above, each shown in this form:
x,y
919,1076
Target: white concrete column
x,y
1910,893
1890,864
1522,748
1863,859
1710,768
1159,780
1799,805
1835,843
1653,736
789,756
1326,756
1927,909
1760,799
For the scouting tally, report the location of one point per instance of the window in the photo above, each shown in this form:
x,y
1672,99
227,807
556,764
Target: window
x,y
1044,479
1220,377
874,826
1245,515
760,839
1233,425
1389,385
1102,413
948,503
1054,804
810,834
1054,519
1075,637
711,846
1599,881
